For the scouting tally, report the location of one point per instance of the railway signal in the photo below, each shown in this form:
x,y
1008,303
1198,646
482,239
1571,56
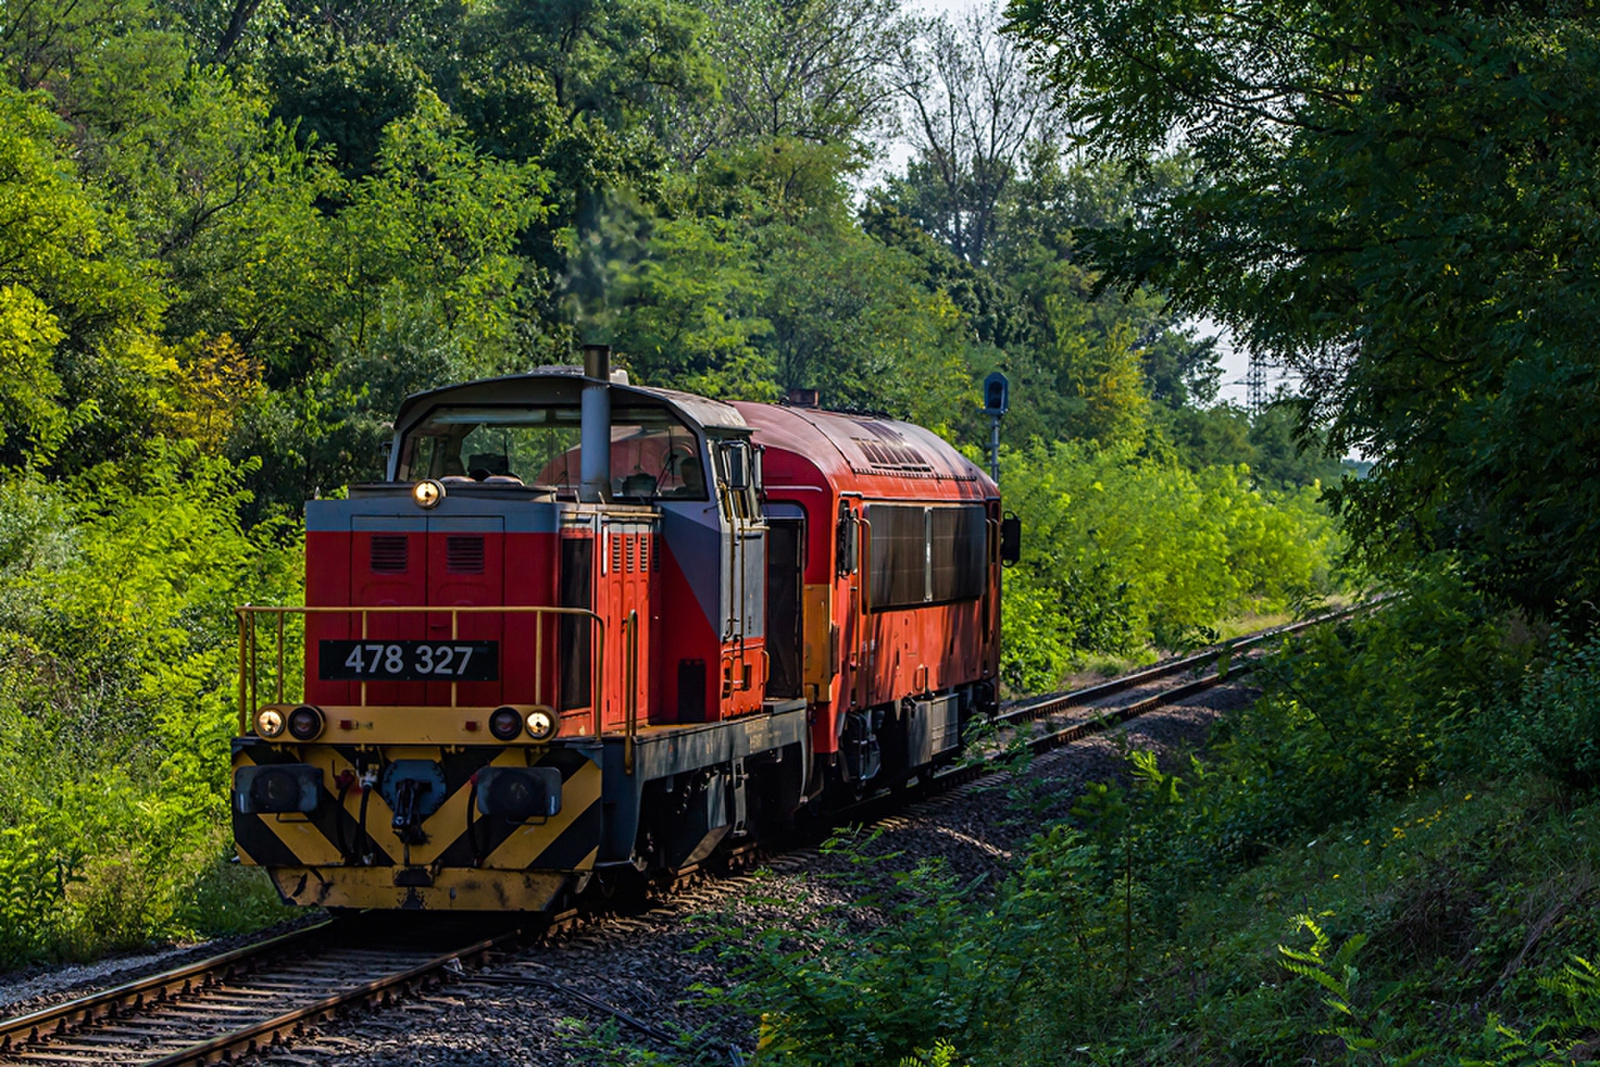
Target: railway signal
x,y
996,400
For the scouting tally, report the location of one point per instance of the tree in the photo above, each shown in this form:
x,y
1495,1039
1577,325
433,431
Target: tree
x,y
440,222
75,317
341,93
849,319
1398,203
973,110
622,62
1037,245
806,70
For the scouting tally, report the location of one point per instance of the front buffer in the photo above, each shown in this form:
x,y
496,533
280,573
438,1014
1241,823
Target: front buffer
x,y
447,827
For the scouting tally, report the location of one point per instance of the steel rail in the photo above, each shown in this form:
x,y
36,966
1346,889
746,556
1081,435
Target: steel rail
x,y
169,997
259,1035
1121,713
143,993
950,776
1040,707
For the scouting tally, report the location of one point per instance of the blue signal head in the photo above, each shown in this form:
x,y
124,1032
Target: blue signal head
x,y
996,394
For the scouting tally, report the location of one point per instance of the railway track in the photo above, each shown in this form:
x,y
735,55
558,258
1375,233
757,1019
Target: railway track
x,y
244,1001
1043,723
261,996
1065,717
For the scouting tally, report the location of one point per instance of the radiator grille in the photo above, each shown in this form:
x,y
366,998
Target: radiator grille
x,y
463,555
388,553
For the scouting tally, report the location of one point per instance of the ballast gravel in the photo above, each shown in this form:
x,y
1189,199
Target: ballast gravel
x,y
628,985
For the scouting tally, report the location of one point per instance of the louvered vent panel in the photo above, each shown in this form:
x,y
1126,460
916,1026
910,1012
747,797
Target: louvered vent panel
x,y
463,555
633,562
616,553
898,458
388,553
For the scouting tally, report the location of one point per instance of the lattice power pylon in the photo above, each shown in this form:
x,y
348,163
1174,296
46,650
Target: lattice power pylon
x,y
1255,384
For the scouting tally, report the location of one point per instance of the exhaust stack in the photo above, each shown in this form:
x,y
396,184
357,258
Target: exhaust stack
x,y
594,453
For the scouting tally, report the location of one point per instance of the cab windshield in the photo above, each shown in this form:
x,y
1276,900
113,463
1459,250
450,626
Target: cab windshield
x,y
653,455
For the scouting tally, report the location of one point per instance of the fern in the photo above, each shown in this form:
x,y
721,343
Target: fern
x,y
1368,1033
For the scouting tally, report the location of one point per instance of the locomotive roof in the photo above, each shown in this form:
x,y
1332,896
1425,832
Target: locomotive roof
x,y
564,385
847,447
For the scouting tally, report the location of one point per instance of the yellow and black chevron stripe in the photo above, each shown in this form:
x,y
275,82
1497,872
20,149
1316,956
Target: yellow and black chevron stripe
x,y
347,853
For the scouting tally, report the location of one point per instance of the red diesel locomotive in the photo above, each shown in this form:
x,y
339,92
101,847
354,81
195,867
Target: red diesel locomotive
x,y
588,629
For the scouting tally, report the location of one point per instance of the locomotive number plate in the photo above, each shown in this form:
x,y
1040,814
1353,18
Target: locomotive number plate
x,y
408,661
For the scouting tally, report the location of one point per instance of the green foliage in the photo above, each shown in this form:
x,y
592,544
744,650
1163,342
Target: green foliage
x,y
798,70
1436,917
950,960
1553,725
848,320
28,337
1369,709
1396,203
621,62
679,297
117,704
437,223
342,93
74,317
1368,1031
1121,552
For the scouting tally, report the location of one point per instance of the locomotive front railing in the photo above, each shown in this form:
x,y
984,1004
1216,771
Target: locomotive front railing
x,y
250,642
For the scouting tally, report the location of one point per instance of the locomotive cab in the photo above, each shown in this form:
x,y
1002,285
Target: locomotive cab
x,y
550,611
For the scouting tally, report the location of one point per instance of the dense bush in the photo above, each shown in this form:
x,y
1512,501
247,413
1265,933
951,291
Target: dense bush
x,y
911,958
1122,551
1376,706
1554,726
118,702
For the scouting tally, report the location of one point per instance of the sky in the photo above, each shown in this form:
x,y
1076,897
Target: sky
x,y
1235,364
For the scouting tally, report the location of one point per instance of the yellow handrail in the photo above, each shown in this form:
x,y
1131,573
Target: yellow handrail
x,y
249,703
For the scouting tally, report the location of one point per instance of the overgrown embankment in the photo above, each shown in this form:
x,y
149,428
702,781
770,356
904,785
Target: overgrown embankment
x,y
117,701
1390,858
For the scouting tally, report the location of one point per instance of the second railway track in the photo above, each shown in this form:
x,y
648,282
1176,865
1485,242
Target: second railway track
x,y
220,1008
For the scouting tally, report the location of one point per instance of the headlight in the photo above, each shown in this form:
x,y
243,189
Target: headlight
x,y
277,788
541,724
306,722
428,493
269,722
505,723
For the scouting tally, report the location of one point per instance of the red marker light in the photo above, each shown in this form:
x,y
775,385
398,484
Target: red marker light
x,y
347,724
472,726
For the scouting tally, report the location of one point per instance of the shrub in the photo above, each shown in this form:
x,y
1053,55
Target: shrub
x,y
1122,552
929,961
1364,710
1554,725
116,703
